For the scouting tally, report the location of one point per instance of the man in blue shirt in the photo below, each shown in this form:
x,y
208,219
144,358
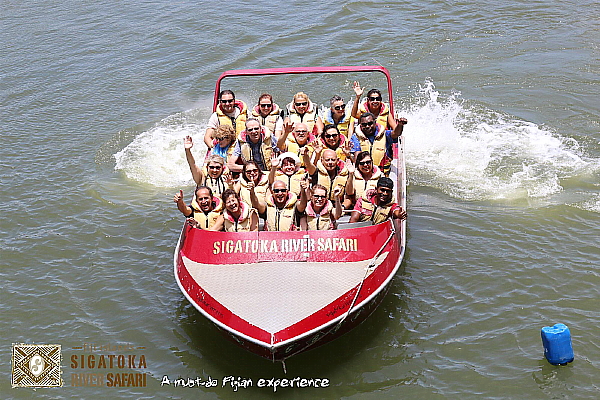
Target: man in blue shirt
x,y
372,137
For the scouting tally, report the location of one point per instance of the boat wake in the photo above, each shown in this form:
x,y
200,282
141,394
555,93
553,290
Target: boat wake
x,y
156,156
473,153
462,148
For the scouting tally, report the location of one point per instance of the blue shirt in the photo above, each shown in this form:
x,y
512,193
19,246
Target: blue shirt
x,y
389,142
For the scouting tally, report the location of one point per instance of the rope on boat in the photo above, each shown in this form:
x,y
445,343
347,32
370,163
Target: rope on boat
x,y
371,265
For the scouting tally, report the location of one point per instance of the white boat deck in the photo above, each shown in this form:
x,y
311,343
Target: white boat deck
x,y
276,295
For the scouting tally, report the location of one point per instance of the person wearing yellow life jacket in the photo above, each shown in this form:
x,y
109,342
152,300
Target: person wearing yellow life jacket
x,y
208,208
333,140
255,143
230,112
336,115
237,216
268,114
372,137
287,168
300,138
320,214
378,205
224,142
280,207
366,174
333,174
213,174
301,109
373,104
260,182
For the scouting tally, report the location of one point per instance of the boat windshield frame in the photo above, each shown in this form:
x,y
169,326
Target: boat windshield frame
x,y
305,70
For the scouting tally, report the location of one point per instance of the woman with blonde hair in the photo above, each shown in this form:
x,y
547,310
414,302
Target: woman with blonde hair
x,y
224,141
302,110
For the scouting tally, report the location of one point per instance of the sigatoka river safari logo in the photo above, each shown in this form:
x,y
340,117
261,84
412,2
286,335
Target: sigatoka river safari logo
x,y
36,365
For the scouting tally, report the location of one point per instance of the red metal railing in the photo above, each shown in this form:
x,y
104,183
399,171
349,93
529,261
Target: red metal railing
x,y
304,70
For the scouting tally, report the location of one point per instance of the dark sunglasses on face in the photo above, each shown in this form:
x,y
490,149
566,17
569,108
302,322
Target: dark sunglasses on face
x,y
375,98
304,103
252,129
343,106
220,139
331,135
266,105
385,190
368,162
214,167
319,196
251,171
227,101
370,123
301,131
279,190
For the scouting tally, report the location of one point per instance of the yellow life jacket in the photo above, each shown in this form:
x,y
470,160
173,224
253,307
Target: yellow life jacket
x,y
266,148
218,205
324,179
292,181
370,211
244,223
281,219
309,117
361,186
381,118
270,120
260,189
205,221
322,221
293,147
217,185
377,149
344,124
238,123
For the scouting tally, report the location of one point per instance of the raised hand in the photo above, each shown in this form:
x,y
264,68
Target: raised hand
x,y
288,126
178,196
347,149
188,143
275,161
193,223
350,166
250,186
318,146
228,179
304,183
337,192
402,121
357,89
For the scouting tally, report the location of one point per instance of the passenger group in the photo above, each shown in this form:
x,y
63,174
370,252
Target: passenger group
x,y
293,168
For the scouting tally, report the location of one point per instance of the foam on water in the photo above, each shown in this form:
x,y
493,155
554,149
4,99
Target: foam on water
x,y
157,157
473,153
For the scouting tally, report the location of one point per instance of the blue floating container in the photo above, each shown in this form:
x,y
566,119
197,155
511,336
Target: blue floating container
x,y
558,348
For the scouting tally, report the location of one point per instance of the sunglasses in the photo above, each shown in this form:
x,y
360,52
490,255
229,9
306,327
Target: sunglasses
x,y
342,107
304,103
370,123
318,196
331,135
266,105
227,101
385,190
220,139
279,190
301,131
252,129
251,171
368,162
214,167
377,98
